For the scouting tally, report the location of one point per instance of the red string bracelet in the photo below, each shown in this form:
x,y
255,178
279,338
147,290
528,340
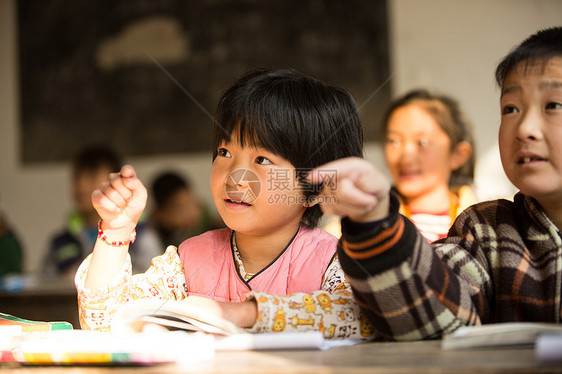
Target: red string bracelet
x,y
120,243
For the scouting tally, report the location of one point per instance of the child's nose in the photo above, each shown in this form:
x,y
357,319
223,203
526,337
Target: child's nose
x,y
529,127
237,177
409,148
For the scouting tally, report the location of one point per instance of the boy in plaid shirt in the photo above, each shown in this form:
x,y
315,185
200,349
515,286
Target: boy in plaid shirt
x,y
502,260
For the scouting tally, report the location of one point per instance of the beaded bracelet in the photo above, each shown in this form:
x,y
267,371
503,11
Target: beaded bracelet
x,y
120,243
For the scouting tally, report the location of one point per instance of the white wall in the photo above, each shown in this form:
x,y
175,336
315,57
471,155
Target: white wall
x,y
454,46
450,45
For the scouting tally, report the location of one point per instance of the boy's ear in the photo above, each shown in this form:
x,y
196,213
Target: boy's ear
x,y
461,154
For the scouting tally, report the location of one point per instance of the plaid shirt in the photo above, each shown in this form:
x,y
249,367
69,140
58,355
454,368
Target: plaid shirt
x,y
501,262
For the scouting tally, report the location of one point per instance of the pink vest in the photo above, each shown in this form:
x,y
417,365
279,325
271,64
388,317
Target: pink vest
x,y
210,269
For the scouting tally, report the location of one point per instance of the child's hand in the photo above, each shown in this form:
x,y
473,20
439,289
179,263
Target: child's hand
x,y
120,201
353,188
243,314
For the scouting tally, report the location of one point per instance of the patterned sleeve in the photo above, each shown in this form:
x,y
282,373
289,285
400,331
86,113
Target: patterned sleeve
x,y
164,279
331,310
409,289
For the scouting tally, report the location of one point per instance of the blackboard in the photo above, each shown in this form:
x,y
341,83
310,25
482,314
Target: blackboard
x,y
145,76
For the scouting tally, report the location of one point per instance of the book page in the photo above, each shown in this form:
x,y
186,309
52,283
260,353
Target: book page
x,y
498,334
134,315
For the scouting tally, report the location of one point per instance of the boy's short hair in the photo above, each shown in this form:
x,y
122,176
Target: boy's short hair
x,y
294,116
166,185
543,45
95,157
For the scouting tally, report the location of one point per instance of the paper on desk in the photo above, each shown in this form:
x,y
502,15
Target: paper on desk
x,y
279,341
549,347
502,334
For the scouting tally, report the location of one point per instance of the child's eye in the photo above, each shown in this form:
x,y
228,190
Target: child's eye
x,y
508,109
223,152
393,142
263,160
553,106
423,142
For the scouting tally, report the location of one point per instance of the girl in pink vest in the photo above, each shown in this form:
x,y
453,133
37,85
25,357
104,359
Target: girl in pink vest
x,y
271,270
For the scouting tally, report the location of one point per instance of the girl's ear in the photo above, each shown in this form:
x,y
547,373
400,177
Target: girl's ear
x,y
311,201
461,154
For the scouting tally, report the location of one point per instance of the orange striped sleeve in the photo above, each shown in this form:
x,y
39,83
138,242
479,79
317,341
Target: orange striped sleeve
x,y
376,245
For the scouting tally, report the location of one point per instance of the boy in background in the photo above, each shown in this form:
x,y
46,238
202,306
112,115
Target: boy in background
x,y
74,241
178,214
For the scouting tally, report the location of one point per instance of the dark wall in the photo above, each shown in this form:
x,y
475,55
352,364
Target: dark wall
x,y
145,76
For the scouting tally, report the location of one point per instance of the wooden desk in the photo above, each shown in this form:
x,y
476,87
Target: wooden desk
x,y
43,299
55,299
414,357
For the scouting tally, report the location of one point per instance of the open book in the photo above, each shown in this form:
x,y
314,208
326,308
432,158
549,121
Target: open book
x,y
138,315
499,335
143,315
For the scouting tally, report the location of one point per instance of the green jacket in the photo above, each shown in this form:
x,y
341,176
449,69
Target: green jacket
x,y
11,254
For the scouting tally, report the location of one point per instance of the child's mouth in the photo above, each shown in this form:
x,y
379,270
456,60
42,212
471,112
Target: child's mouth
x,y
528,159
237,202
409,174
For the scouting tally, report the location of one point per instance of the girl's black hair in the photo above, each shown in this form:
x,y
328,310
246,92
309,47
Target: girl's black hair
x,y
541,46
447,112
294,116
